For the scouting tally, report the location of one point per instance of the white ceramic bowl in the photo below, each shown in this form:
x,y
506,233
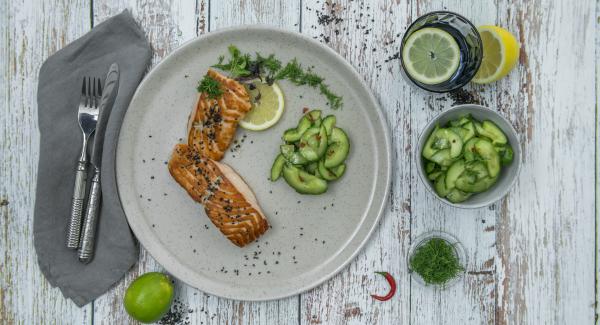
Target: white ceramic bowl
x,y
508,174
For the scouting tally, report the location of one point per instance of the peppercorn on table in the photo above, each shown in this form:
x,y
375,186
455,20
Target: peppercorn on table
x,y
530,257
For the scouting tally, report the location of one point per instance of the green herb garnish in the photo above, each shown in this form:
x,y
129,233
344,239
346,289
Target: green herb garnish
x,y
436,262
270,68
238,63
210,87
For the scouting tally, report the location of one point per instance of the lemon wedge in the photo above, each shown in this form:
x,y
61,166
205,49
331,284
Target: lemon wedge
x,y
500,54
267,106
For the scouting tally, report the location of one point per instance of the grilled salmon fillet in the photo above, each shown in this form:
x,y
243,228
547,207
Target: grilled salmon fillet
x,y
228,201
212,123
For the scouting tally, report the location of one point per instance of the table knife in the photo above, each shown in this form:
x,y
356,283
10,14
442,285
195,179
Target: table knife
x,y
88,236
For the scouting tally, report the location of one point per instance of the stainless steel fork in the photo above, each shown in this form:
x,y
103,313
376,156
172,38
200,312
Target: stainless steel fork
x,y
88,117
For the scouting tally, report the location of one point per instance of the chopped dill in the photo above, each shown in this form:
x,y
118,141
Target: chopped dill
x,y
436,262
210,87
270,69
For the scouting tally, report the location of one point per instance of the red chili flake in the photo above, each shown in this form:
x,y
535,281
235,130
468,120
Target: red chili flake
x,y
305,109
392,284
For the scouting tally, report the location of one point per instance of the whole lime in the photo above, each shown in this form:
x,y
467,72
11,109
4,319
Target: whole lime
x,y
149,297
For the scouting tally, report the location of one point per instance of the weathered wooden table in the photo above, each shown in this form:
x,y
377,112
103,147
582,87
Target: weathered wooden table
x,y
531,256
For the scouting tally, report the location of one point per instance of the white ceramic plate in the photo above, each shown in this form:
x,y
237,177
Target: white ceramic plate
x,y
312,237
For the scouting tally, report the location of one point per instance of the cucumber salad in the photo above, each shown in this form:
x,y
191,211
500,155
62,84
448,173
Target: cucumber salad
x,y
465,157
313,154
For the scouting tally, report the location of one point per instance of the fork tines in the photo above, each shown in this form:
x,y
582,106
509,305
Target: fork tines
x,y
91,91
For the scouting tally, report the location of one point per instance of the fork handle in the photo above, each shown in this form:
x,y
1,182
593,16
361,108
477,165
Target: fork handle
x,y
74,229
88,237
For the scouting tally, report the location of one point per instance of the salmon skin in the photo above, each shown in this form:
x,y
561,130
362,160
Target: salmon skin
x,y
228,201
213,121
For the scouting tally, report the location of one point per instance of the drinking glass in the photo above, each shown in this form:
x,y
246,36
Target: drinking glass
x,y
468,40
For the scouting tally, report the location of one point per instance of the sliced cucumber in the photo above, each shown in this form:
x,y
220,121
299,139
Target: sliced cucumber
x,y
506,154
303,182
486,151
434,175
469,152
428,149
470,128
491,131
293,135
441,139
339,146
479,128
329,123
477,168
430,167
494,132
454,139
277,167
457,168
442,158
333,173
481,185
314,116
441,143
457,196
465,131
291,155
312,167
462,121
440,185
313,143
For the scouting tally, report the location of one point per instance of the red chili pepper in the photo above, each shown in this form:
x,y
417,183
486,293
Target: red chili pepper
x,y
392,284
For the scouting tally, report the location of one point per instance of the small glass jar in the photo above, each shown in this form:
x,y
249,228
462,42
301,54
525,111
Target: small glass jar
x,y
459,252
469,43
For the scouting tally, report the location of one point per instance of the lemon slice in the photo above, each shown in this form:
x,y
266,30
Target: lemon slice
x,y
500,54
431,55
267,106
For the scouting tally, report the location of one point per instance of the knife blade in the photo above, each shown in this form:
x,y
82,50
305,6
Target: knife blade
x,y
111,87
88,237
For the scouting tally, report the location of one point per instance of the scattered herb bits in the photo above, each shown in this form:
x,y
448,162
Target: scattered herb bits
x,y
313,154
436,261
465,157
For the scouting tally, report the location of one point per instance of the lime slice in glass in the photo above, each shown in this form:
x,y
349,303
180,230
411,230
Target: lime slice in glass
x,y
431,55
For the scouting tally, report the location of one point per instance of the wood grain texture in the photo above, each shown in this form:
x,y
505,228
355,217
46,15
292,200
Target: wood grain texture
x,y
531,256
31,31
547,222
597,133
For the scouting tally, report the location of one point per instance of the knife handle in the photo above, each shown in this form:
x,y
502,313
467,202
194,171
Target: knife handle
x,y
88,237
74,229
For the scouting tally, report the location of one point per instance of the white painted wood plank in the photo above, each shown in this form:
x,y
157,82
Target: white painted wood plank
x,y
546,236
167,24
31,31
283,14
365,34
597,203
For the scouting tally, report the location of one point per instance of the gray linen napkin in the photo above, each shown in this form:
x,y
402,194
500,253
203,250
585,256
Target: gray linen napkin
x,y
119,40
